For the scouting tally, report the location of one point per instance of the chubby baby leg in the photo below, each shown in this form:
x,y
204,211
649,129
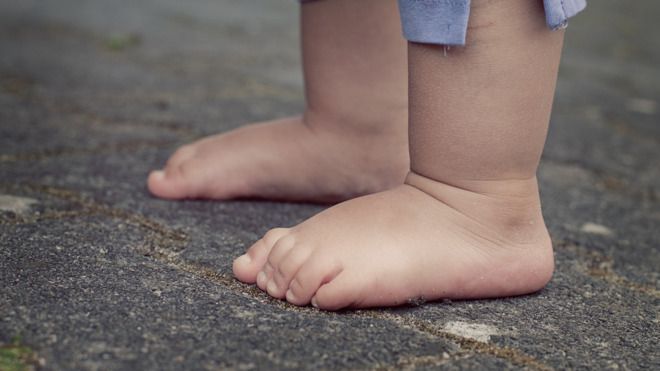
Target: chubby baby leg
x,y
467,223
351,139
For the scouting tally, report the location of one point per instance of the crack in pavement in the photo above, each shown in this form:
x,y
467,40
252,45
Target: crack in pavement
x,y
512,355
161,235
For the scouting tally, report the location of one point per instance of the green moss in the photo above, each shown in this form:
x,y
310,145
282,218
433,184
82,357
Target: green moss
x,y
16,357
122,42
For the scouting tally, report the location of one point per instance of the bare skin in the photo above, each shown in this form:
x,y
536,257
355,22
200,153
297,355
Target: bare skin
x,y
350,141
467,222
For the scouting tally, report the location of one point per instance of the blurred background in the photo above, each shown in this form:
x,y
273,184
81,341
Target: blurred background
x,y
176,66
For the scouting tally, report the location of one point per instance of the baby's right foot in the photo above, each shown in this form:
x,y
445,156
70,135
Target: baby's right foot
x,y
304,158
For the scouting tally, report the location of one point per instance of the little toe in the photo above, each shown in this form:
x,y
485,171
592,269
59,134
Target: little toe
x,y
247,266
316,271
339,293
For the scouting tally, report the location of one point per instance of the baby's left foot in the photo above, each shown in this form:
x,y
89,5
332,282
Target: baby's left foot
x,y
424,240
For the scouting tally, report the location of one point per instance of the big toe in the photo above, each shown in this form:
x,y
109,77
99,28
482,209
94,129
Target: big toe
x,y
247,266
164,185
178,180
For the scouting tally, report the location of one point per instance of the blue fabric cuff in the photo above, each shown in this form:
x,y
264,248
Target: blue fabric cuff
x,y
445,22
435,21
557,12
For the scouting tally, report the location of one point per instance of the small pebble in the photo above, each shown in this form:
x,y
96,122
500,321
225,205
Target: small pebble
x,y
594,228
15,204
641,105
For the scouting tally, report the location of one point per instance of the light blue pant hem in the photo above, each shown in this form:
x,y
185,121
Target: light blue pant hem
x,y
445,22
557,12
435,21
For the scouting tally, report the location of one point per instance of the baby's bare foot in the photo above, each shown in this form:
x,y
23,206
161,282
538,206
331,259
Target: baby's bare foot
x,y
300,158
422,240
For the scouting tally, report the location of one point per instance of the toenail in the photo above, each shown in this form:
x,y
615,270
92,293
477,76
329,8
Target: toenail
x,y
244,259
271,287
160,174
261,278
289,296
314,303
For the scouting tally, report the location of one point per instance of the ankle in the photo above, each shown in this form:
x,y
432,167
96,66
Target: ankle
x,y
510,208
369,146
386,120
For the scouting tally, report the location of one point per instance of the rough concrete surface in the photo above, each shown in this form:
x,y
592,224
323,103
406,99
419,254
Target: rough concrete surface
x,y
97,274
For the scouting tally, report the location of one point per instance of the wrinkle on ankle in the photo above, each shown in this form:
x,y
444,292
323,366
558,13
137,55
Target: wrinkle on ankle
x,y
516,217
